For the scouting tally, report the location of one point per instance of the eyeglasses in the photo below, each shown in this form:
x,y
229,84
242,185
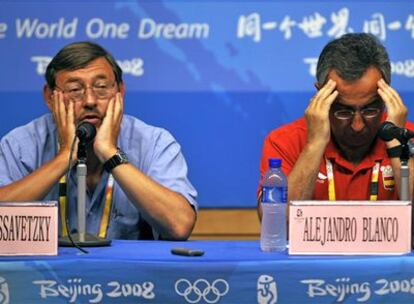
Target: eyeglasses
x,y
349,114
77,92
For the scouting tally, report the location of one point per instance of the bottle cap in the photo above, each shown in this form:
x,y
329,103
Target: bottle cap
x,y
275,162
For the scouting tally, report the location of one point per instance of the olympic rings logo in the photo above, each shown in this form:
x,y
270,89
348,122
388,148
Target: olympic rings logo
x,y
201,289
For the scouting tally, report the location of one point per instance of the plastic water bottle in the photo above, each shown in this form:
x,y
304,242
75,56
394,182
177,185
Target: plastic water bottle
x,y
274,199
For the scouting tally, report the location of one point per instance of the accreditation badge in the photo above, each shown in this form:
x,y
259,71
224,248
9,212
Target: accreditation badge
x,y
388,177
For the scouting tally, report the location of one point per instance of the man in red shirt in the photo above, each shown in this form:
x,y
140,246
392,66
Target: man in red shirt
x,y
333,152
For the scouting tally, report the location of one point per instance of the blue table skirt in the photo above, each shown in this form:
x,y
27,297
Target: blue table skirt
x,y
228,272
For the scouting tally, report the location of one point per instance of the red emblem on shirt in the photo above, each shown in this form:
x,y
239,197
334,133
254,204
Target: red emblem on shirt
x,y
388,177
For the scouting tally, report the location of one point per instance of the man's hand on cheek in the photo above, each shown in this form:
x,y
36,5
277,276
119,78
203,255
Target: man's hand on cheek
x,y
63,114
105,144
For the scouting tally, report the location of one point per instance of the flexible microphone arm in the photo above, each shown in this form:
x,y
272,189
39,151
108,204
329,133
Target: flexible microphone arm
x,y
388,131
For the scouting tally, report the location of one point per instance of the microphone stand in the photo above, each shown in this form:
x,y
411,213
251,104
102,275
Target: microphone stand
x,y
404,171
82,238
405,180
388,131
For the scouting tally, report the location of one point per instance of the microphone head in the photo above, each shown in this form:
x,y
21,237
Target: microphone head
x,y
85,132
387,131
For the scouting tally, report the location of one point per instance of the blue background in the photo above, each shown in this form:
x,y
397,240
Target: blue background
x,y
219,95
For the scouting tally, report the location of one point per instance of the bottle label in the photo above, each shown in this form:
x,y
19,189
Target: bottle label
x,y
274,195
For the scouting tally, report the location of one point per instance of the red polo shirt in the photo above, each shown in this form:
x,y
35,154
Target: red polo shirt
x,y
351,182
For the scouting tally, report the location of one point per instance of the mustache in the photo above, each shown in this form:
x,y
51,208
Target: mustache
x,y
363,137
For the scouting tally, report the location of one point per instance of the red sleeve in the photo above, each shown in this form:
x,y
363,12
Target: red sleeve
x,y
409,125
286,143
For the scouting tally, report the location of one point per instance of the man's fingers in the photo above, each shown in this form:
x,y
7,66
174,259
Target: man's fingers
x,y
386,87
54,106
385,97
118,108
388,93
331,98
325,97
397,111
327,89
60,110
110,110
71,113
324,92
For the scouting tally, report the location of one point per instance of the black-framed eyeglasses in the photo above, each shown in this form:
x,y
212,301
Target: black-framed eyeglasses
x,y
77,92
348,114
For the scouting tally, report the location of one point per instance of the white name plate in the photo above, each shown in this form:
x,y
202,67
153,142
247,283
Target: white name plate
x,y
28,228
350,227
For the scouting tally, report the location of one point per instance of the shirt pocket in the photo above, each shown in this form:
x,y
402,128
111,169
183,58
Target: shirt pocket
x,y
124,221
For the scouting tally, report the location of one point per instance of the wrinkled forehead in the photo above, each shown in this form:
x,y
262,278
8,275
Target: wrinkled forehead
x,y
359,92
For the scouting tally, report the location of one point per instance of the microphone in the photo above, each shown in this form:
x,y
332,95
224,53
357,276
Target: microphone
x,y
388,131
85,132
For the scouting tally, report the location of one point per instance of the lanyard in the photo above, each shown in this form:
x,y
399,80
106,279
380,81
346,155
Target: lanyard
x,y
374,181
106,211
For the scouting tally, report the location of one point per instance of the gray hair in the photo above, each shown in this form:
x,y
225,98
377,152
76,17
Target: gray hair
x,y
351,55
78,55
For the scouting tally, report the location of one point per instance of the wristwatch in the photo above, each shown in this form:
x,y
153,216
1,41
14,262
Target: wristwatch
x,y
119,158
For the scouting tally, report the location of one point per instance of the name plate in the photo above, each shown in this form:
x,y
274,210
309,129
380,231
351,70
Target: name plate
x,y
28,228
350,227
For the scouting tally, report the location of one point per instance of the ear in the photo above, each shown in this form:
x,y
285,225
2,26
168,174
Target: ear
x,y
47,96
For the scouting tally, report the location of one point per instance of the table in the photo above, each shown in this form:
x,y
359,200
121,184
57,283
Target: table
x,y
228,272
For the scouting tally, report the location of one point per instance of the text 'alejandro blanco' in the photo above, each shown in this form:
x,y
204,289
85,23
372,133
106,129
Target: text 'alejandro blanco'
x,y
24,228
345,229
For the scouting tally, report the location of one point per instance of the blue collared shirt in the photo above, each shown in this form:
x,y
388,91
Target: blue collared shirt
x,y
150,149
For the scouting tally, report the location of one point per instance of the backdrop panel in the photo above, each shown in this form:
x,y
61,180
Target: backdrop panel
x,y
218,74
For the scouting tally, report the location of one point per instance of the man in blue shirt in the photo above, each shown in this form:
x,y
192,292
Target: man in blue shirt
x,y
136,175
